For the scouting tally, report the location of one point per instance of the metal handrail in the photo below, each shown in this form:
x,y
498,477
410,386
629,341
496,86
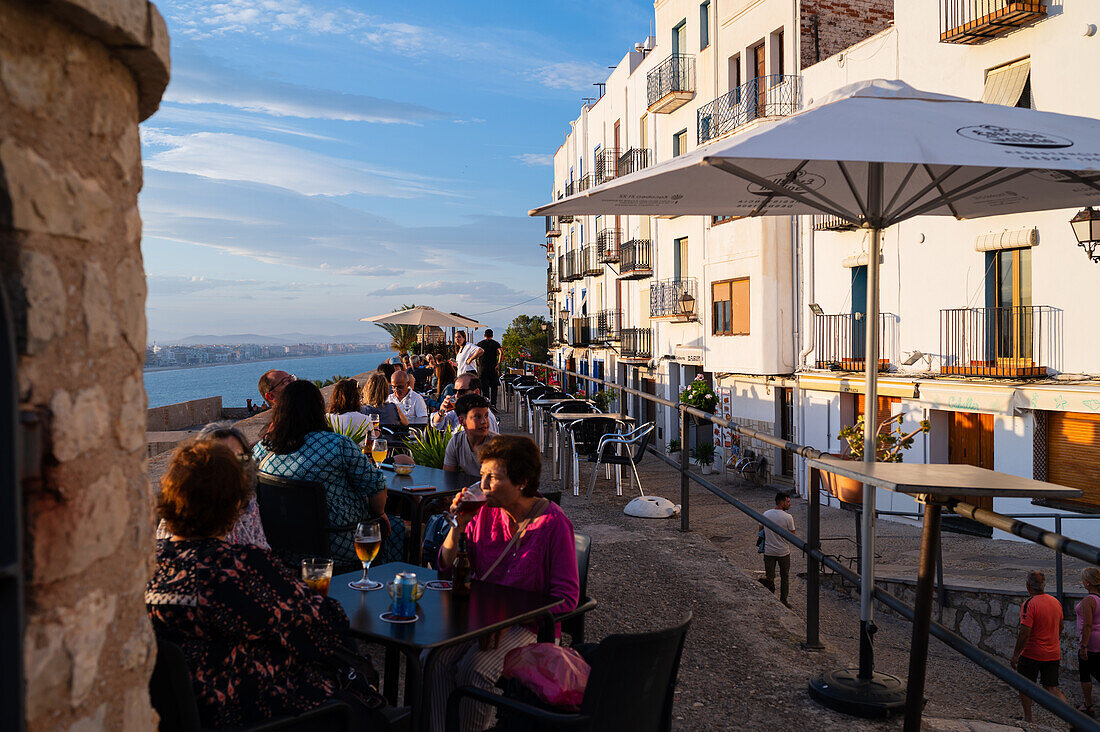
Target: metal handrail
x,y
664,296
675,74
776,95
607,243
811,546
1009,341
634,258
633,160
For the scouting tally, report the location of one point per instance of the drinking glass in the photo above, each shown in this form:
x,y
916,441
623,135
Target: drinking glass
x,y
378,450
317,573
368,540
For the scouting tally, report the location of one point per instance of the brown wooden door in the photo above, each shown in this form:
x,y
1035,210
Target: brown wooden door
x,y
970,442
1073,453
649,409
760,69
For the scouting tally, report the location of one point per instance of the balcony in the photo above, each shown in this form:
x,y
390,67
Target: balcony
x,y
633,160
673,298
1004,342
607,165
764,96
590,261
671,84
976,21
553,227
840,341
636,345
832,223
609,326
584,183
569,266
607,244
580,334
552,282
561,330
634,260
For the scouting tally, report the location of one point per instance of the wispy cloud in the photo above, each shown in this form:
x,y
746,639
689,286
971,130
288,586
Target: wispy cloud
x,y
474,291
363,270
535,159
574,75
203,19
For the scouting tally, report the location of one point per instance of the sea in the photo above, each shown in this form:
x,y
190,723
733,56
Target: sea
x,y
236,382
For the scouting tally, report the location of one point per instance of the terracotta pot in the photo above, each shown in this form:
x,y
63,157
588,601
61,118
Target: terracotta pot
x,y
845,489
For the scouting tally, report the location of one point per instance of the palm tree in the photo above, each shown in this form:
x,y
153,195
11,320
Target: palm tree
x,y
402,337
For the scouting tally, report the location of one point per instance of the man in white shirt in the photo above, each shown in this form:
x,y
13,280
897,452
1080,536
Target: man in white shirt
x,y
467,353
407,400
445,416
776,550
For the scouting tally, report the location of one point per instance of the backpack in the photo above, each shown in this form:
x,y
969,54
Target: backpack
x,y
435,532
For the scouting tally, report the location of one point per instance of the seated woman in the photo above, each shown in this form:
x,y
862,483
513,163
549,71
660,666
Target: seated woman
x,y
247,529
217,602
516,539
375,393
299,444
461,454
343,408
443,383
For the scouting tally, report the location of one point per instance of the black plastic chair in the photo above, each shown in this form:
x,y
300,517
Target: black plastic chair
x,y
173,697
572,621
585,436
578,406
294,514
620,450
630,688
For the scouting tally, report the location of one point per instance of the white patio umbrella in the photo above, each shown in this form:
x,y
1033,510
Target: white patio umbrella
x,y
423,315
873,153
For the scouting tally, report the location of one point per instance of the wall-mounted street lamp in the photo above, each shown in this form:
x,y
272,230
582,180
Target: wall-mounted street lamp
x,y
1086,227
687,305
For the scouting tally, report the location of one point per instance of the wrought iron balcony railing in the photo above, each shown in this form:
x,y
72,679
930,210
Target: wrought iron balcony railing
x,y
553,228
1007,342
570,188
609,325
636,344
607,243
590,261
764,96
562,331
675,298
580,334
671,84
552,282
607,165
977,21
584,183
840,341
634,263
633,160
570,266
832,223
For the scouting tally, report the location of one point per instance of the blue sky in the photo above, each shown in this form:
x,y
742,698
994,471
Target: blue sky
x,y
314,162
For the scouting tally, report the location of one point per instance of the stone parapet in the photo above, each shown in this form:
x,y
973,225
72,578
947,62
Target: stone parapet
x,y
173,417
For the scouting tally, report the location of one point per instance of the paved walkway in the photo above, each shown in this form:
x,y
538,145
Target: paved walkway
x,y
742,666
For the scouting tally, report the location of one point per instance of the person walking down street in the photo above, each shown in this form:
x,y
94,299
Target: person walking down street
x,y
1038,650
488,365
1088,636
466,354
777,552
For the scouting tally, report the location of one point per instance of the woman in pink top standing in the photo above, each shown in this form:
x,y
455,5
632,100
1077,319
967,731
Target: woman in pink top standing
x,y
517,539
1088,634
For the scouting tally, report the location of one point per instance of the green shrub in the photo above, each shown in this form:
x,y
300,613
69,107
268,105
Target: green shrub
x,y
429,446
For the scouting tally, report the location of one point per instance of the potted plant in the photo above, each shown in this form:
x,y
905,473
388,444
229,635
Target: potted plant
x,y
673,446
428,447
890,443
703,455
700,395
603,399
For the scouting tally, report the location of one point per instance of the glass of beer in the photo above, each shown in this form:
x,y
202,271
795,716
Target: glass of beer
x,y
378,450
368,540
472,500
317,573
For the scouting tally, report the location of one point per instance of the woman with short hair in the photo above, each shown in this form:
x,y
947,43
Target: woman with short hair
x,y
518,539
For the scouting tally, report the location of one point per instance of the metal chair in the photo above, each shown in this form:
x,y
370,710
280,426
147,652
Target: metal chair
x,y
584,438
294,514
572,621
624,692
620,450
535,392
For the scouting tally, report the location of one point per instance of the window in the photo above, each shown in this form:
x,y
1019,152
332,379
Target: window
x,y
679,38
704,24
1008,289
734,71
644,131
679,143
730,307
715,220
777,52
680,251
1009,85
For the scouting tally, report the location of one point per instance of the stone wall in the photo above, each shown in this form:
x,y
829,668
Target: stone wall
x,y
76,77
988,618
840,24
184,414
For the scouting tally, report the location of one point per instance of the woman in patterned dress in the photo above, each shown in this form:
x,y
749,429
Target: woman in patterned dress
x,y
258,643
299,444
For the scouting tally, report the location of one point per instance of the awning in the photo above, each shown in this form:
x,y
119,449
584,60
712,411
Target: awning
x,y
1018,239
1056,398
1005,85
955,397
853,384
688,354
566,352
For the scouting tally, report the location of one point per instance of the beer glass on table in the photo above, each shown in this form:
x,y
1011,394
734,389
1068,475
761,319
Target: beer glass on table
x,y
317,573
378,450
471,502
368,540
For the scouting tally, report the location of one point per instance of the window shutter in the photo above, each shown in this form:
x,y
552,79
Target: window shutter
x,y
740,297
1073,453
1004,85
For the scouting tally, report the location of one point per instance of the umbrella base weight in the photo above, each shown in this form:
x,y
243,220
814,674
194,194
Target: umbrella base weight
x,y
843,690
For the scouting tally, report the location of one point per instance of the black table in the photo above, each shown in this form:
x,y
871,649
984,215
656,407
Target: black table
x,y
445,485
444,621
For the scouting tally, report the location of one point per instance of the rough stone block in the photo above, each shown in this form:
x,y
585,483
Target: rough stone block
x,y
45,297
970,629
130,426
1002,642
78,424
99,316
114,22
130,292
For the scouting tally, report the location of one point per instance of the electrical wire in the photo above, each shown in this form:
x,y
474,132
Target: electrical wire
x,y
509,307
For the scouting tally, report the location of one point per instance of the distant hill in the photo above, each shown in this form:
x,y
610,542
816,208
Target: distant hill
x,y
282,339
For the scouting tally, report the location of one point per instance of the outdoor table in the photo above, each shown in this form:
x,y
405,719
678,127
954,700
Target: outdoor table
x,y
445,485
443,621
562,419
544,403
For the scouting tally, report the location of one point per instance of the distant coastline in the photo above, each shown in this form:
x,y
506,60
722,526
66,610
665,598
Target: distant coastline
x,y
181,367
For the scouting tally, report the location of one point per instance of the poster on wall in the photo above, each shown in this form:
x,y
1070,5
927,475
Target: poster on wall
x,y
723,436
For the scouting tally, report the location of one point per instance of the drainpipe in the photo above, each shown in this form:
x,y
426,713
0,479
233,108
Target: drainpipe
x,y
807,243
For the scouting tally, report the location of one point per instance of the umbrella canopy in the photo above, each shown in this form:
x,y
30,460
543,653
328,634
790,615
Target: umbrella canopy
x,y
874,152
422,315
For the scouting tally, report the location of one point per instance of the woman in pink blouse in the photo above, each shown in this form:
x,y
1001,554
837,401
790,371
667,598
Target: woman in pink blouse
x,y
519,539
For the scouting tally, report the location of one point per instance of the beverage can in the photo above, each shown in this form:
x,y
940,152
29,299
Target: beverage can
x,y
404,589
